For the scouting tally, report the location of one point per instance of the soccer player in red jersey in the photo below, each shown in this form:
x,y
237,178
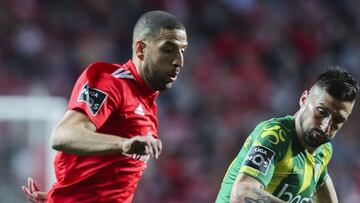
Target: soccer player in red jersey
x,y
110,128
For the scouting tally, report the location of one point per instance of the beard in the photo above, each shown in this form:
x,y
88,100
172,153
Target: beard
x,y
313,137
156,78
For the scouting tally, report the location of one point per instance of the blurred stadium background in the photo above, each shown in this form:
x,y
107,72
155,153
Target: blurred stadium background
x,y
248,60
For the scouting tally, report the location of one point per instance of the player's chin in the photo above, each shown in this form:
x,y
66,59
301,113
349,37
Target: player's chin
x,y
169,85
315,143
166,86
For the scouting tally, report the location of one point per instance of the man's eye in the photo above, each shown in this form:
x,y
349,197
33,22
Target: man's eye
x,y
168,49
339,120
322,112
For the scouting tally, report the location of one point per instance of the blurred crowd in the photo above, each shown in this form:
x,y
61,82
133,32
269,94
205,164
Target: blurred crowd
x,y
247,61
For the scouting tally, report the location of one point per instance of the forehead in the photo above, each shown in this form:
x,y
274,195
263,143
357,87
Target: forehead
x,y
176,36
322,99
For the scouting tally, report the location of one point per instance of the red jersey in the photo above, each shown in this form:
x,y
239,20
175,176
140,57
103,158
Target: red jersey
x,y
118,102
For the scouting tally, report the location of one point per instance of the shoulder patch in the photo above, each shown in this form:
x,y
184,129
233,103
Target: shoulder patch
x,y
259,158
94,98
122,73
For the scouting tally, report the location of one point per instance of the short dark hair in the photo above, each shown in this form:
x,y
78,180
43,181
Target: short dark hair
x,y
339,83
150,24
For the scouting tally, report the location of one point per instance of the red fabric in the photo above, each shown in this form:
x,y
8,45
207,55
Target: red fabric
x,y
107,178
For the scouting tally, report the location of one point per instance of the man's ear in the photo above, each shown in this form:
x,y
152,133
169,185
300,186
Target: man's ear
x,y
140,49
303,98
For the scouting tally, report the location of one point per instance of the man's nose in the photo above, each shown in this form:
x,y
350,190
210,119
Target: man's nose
x,y
326,125
179,60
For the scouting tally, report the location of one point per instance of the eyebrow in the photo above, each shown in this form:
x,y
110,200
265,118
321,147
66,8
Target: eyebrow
x,y
171,43
339,116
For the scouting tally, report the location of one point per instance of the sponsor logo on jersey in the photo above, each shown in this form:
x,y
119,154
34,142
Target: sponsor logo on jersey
x,y
94,98
289,197
298,170
273,133
259,158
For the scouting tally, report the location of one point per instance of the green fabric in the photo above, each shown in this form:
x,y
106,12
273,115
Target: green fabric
x,y
273,155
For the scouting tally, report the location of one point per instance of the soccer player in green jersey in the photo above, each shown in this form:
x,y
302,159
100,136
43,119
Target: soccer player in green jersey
x,y
285,159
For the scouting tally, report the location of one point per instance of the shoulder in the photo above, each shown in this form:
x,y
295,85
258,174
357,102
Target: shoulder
x,y
98,69
103,76
275,130
326,150
283,123
108,73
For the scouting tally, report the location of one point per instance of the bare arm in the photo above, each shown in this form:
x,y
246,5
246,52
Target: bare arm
x,y
326,193
76,134
247,189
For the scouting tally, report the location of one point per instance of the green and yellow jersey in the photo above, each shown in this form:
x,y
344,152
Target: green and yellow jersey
x,y
274,156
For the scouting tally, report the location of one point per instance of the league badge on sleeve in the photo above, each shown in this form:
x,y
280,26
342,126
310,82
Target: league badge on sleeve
x,y
259,158
94,98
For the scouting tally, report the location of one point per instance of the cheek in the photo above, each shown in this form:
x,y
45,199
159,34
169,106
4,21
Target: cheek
x,y
164,59
148,58
308,117
313,119
153,56
310,121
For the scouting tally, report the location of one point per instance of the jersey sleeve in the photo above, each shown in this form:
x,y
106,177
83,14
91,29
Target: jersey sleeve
x,y
96,95
323,176
326,156
265,146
